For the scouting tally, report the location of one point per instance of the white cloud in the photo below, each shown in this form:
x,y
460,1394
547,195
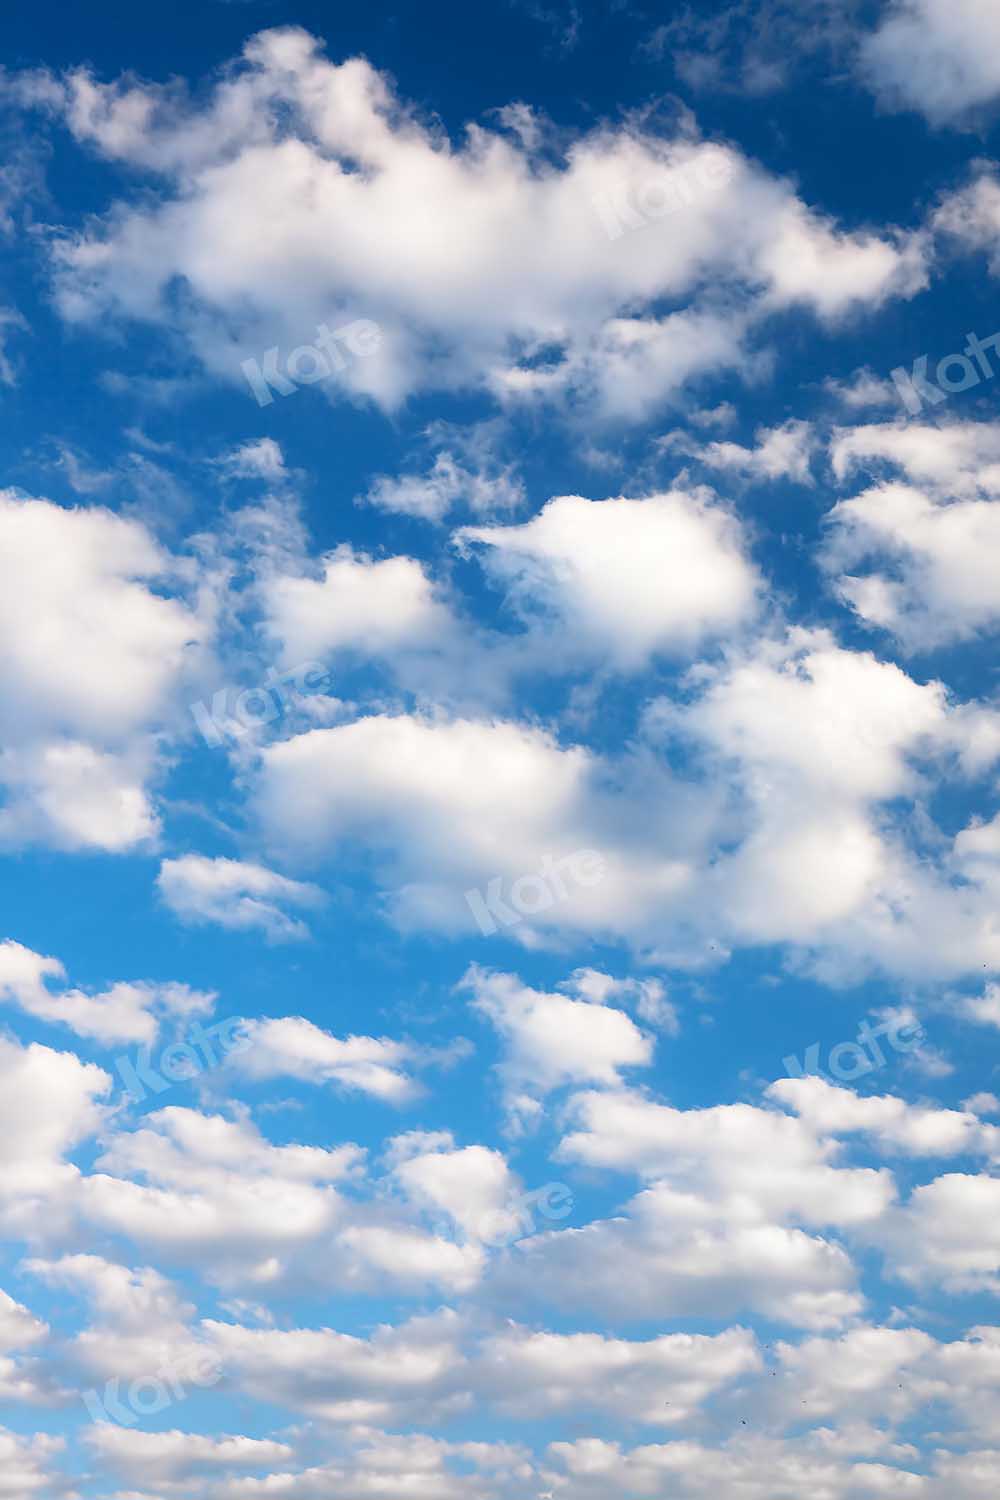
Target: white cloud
x,y
797,821
755,1466
127,1012
292,1047
751,1165
781,453
51,1102
947,1234
626,578
864,389
552,1040
971,214
433,494
817,738
399,1374
25,1464
74,797
669,1253
359,603
215,1188
913,1129
474,1186
959,458
92,656
138,1325
936,56
89,647
236,895
261,458
660,1381
20,1375
984,1009
648,996
467,470
476,260
171,1457
929,543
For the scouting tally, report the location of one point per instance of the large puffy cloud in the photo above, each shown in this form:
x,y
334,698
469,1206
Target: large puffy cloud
x,y
626,579
756,1165
946,1234
554,1040
472,1185
89,646
92,656
610,584
359,603
888,1376
929,542
452,806
472,259
416,1466
191,1186
660,1381
955,459
139,1326
936,56
211,1186
817,740
51,1103
795,821
673,1254
722,1224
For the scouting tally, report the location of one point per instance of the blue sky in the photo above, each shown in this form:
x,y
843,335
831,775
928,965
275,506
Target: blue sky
x,y
499,739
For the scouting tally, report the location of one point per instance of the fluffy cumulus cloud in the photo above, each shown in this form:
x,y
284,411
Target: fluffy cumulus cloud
x,y
357,604
93,655
553,1040
927,529
626,578
805,748
472,257
935,56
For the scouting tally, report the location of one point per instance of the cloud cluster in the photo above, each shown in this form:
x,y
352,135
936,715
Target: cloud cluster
x,y
484,262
